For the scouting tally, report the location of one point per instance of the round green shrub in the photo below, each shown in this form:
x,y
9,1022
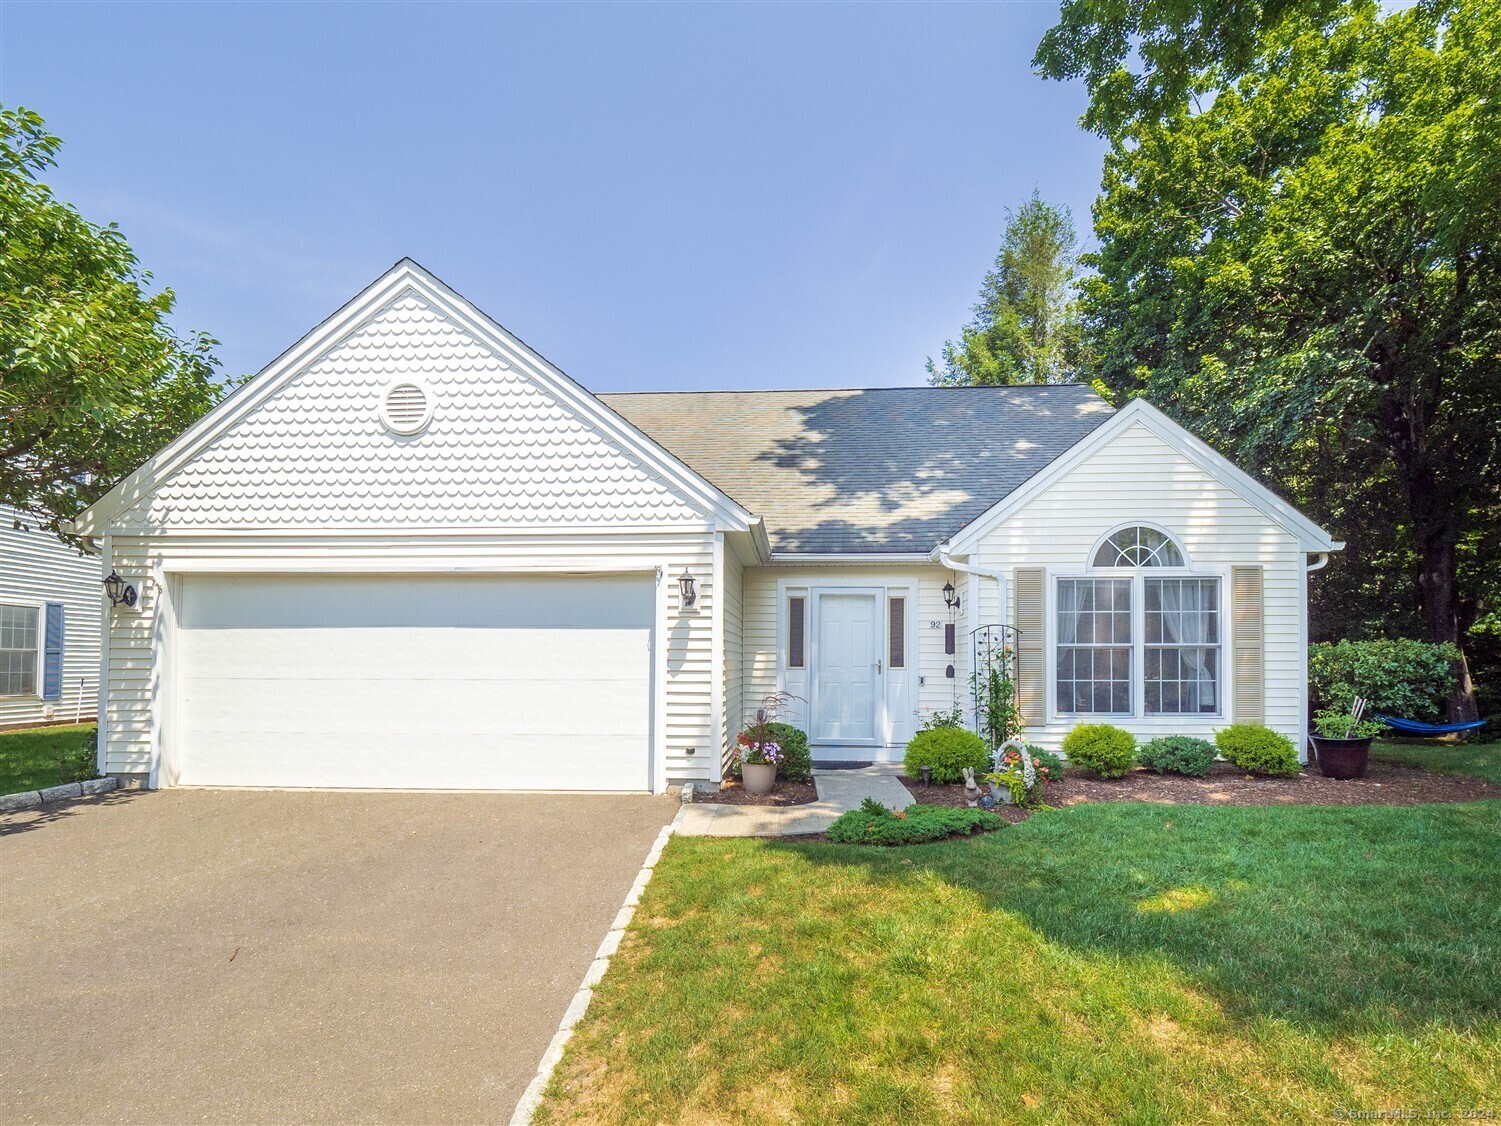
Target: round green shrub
x,y
797,760
948,750
1101,749
1258,750
1177,754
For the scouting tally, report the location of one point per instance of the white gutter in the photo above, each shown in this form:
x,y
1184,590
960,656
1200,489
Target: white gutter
x,y
983,572
888,558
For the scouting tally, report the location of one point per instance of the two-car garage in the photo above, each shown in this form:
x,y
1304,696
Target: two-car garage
x,y
451,681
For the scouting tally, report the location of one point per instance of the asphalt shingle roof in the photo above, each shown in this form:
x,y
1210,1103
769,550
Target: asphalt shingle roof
x,y
886,469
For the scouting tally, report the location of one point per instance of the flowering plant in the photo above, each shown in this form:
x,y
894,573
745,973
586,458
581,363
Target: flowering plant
x,y
1020,771
758,751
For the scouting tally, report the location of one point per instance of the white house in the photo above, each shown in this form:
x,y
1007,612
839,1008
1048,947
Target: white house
x,y
413,553
50,625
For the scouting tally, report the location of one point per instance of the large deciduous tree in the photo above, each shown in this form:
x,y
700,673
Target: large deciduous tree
x,y
1026,323
1298,257
92,377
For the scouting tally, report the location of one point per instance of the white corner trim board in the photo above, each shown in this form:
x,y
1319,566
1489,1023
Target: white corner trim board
x,y
531,1098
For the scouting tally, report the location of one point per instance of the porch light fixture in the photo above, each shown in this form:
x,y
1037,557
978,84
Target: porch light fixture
x,y
950,599
119,590
687,588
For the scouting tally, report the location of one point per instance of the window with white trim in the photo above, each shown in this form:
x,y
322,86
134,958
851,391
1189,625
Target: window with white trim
x,y
18,642
1134,643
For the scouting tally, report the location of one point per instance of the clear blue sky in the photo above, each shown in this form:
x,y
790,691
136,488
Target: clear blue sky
x,y
653,196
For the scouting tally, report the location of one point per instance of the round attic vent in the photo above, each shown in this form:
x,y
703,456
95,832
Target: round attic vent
x,y
405,408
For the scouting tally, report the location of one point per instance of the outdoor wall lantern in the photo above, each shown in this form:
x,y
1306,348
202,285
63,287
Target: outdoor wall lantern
x,y
119,590
687,588
950,599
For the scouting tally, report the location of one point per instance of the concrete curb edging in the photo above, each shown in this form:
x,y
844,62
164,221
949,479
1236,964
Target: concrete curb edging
x,y
531,1098
30,799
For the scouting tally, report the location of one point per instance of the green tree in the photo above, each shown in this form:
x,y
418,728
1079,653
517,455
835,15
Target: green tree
x,y
1298,258
92,378
1026,324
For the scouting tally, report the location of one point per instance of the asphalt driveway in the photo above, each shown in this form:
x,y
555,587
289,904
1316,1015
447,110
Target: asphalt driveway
x,y
210,955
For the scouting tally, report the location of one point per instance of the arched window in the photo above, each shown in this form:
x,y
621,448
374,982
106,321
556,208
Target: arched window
x,y
1139,546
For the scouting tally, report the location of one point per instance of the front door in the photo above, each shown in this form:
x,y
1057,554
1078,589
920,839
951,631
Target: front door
x,y
847,674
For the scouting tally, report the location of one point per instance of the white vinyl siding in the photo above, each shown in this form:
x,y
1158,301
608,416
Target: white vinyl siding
x,y
733,719
37,568
688,690
1137,476
926,615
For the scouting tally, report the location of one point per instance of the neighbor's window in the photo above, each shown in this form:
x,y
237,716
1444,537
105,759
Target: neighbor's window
x,y
18,627
897,608
797,632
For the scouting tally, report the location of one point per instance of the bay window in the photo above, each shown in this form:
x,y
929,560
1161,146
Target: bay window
x,y
1135,643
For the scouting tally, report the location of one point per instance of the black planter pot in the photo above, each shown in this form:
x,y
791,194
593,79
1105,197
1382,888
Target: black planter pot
x,y
1342,758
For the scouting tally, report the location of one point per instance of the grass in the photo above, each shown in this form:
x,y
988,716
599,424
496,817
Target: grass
x,y
1111,962
1483,760
28,758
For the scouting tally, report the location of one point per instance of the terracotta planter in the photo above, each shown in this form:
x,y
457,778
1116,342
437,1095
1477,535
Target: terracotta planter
x,y
758,777
1342,758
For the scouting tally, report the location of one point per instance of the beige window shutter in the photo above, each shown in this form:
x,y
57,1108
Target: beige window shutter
x,y
1031,684
1248,658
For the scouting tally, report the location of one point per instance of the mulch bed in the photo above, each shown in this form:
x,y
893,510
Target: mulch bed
x,y
1384,784
782,793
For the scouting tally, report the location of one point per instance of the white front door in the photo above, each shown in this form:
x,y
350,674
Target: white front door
x,y
846,673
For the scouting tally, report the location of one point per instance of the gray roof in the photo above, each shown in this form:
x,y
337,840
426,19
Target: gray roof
x,y
886,469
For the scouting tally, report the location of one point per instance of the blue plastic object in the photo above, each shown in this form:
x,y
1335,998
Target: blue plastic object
x,y
1413,727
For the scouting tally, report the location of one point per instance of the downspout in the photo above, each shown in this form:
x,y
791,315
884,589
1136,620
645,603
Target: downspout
x,y
1323,561
980,572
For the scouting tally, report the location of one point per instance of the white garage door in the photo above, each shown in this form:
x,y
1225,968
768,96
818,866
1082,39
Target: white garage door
x,y
427,682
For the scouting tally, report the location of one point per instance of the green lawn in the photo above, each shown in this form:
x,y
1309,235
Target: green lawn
x,y
1111,962
1483,760
28,758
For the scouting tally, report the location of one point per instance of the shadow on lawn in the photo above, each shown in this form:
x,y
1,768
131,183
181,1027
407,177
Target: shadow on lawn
x,y
1348,917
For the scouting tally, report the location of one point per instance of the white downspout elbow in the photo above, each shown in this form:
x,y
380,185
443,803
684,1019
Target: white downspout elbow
x,y
1322,561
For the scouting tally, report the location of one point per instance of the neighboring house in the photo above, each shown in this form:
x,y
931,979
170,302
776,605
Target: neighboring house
x,y
412,553
50,623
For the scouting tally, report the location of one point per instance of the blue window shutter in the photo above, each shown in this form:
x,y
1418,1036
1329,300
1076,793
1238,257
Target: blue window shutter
x,y
52,654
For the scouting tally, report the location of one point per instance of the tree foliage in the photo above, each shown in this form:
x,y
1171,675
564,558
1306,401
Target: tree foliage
x,y
1026,325
1298,258
92,378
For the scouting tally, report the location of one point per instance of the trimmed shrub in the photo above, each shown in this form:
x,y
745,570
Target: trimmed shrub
x,y
1397,676
874,824
1177,754
948,750
1258,750
797,760
1101,749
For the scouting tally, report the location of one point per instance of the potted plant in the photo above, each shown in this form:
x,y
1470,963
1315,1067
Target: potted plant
x,y
759,755
1343,740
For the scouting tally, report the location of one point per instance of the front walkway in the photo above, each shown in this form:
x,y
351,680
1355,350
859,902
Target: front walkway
x,y
838,791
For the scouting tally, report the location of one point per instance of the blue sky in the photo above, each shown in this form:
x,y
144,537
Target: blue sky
x,y
653,196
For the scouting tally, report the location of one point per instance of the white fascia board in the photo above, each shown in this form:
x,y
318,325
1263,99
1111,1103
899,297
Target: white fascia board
x,y
1309,535
405,275
795,559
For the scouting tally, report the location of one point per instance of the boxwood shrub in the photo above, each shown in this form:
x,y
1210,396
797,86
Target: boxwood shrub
x,y
948,750
1258,750
1101,749
797,760
874,824
1177,754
